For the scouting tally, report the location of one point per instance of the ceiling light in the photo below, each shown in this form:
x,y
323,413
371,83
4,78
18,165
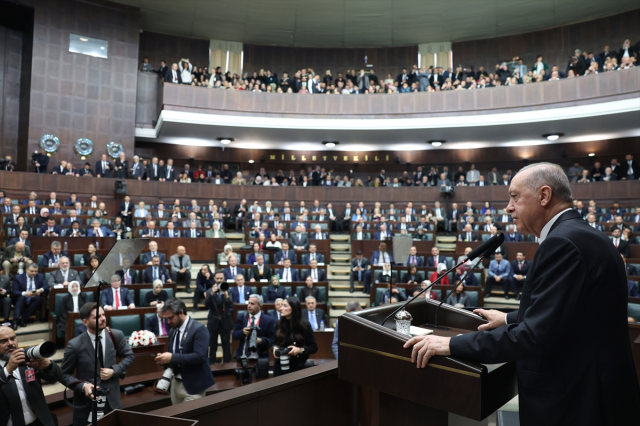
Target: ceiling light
x,y
102,47
250,161
84,39
436,143
553,136
225,141
592,154
330,144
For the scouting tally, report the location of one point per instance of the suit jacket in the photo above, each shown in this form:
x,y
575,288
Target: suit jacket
x,y
49,256
147,257
515,267
365,236
137,170
364,263
375,256
56,277
266,331
235,293
556,361
10,251
132,275
290,255
10,398
228,275
187,233
430,260
294,274
306,258
631,271
389,234
267,273
44,228
168,76
20,285
463,237
106,297
220,309
165,233
193,361
147,275
154,175
623,247
174,261
168,173
67,306
153,325
306,292
321,275
624,169
275,292
299,240
516,237
106,232
80,357
315,237
103,172
320,315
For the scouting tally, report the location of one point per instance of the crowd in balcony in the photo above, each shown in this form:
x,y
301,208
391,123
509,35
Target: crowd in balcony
x,y
412,79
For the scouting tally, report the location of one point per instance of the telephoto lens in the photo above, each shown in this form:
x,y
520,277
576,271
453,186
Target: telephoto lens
x,y
41,351
165,381
284,358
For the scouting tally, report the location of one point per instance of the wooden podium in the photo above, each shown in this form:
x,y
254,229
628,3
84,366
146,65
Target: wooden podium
x,y
372,356
130,418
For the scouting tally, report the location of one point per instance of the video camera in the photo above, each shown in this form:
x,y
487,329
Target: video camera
x,y
243,374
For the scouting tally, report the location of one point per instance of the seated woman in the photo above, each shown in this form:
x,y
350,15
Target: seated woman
x,y
420,235
158,295
251,259
412,276
462,181
356,216
309,290
71,302
85,275
262,241
226,254
385,276
471,280
204,281
487,209
376,214
216,232
91,251
459,298
435,275
275,290
429,293
273,242
295,334
391,292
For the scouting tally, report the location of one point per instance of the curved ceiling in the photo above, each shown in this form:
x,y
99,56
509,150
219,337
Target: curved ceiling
x,y
363,23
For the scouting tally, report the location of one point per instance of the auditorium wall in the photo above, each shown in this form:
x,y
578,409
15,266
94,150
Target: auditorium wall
x,y
76,96
555,44
10,69
169,48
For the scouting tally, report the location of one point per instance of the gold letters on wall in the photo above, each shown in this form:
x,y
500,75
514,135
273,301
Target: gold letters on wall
x,y
328,159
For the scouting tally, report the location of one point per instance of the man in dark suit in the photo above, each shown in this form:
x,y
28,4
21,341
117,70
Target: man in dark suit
x,y
156,272
519,269
260,271
232,271
285,253
413,258
147,257
115,297
126,210
79,358
359,265
318,275
23,402
630,169
219,319
631,270
50,229
240,292
28,291
104,167
5,296
313,314
240,215
307,258
621,245
187,355
170,232
512,235
127,275
564,372
288,274
172,75
154,171
359,235
436,258
467,234
157,324
266,333
52,257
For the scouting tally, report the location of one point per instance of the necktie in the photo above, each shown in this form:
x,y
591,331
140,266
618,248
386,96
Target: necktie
x,y
468,236
233,272
246,350
287,274
30,287
413,259
171,233
127,278
100,354
163,328
315,275
521,266
359,272
99,232
176,346
155,273
116,304
193,233
314,322
616,240
241,294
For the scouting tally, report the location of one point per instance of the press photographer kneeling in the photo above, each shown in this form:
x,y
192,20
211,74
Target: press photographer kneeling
x,y
294,339
20,381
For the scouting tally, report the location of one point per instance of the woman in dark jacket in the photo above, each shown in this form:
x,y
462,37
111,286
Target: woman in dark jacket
x,y
91,251
459,298
72,302
204,281
158,295
412,276
294,333
93,264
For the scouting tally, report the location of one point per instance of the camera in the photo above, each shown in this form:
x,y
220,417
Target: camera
x,y
41,351
34,157
244,375
224,286
283,352
165,381
253,338
3,162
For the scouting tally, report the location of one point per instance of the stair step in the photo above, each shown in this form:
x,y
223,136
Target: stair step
x,y
340,257
235,236
346,286
340,237
446,239
341,247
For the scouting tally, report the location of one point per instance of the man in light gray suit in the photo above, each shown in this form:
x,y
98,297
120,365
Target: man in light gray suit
x,y
192,218
80,357
64,275
299,240
359,266
181,267
137,169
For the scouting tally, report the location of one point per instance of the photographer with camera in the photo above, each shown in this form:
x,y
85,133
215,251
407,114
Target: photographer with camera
x,y
220,318
255,331
294,339
79,357
187,361
20,374
40,161
7,165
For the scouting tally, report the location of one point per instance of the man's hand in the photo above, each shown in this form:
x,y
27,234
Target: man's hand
x,y
108,308
88,389
40,364
131,306
424,347
496,318
246,331
498,278
16,358
154,303
183,270
106,373
164,358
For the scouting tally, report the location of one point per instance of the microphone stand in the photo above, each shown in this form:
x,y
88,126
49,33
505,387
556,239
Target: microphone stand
x,y
423,290
464,277
94,400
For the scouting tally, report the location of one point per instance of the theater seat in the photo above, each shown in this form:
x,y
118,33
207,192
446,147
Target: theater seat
x,y
57,310
379,291
76,259
508,418
633,310
76,323
474,298
125,323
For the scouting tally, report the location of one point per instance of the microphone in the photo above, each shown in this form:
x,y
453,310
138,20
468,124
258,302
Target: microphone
x,y
488,246
455,285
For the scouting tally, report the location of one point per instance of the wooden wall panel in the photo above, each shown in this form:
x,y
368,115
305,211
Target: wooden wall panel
x,y
10,71
169,48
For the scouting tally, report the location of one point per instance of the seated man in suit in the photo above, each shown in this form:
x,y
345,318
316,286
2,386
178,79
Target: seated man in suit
x,y
153,251
467,234
64,275
99,231
318,275
260,271
318,234
68,221
414,259
240,293
591,220
391,292
75,231
359,266
266,333
632,271
116,297
382,234
170,232
285,253
436,258
299,240
127,275
192,219
192,232
13,255
316,316
231,271
51,258
288,274
312,255
512,235
50,229
309,289
157,324
519,269
502,249
378,258
150,231
359,235
28,291
621,245
618,223
499,272
181,267
156,272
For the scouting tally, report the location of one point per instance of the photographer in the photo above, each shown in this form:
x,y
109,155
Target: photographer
x,y
7,165
219,320
188,345
265,334
33,409
294,339
40,161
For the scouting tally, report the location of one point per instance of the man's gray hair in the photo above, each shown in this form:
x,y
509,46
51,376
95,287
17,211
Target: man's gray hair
x,y
279,299
551,175
259,298
353,306
115,277
309,298
56,244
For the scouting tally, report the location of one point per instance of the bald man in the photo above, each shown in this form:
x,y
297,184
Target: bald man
x,y
572,368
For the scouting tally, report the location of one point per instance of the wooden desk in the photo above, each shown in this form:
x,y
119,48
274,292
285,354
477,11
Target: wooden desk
x,y
444,290
72,316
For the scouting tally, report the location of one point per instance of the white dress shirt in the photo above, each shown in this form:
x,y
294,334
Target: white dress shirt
x,y
29,415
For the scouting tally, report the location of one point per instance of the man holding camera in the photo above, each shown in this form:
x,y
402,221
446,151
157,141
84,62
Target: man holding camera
x,y
219,320
22,401
188,346
79,356
265,331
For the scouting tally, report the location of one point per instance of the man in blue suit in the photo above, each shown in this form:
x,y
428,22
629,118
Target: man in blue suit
x,y
116,296
512,236
287,274
232,271
381,256
519,269
316,274
285,253
99,231
147,257
29,289
156,272
52,257
436,258
50,229
306,258
413,258
193,231
266,331
170,232
23,237
154,324
188,354
240,293
383,234
499,272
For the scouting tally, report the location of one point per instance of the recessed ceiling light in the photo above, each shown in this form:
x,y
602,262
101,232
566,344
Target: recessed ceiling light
x,y
250,161
84,39
102,47
592,154
553,136
436,143
225,141
330,144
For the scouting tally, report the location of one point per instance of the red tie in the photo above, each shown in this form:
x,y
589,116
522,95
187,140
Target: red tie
x,y
616,243
117,304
